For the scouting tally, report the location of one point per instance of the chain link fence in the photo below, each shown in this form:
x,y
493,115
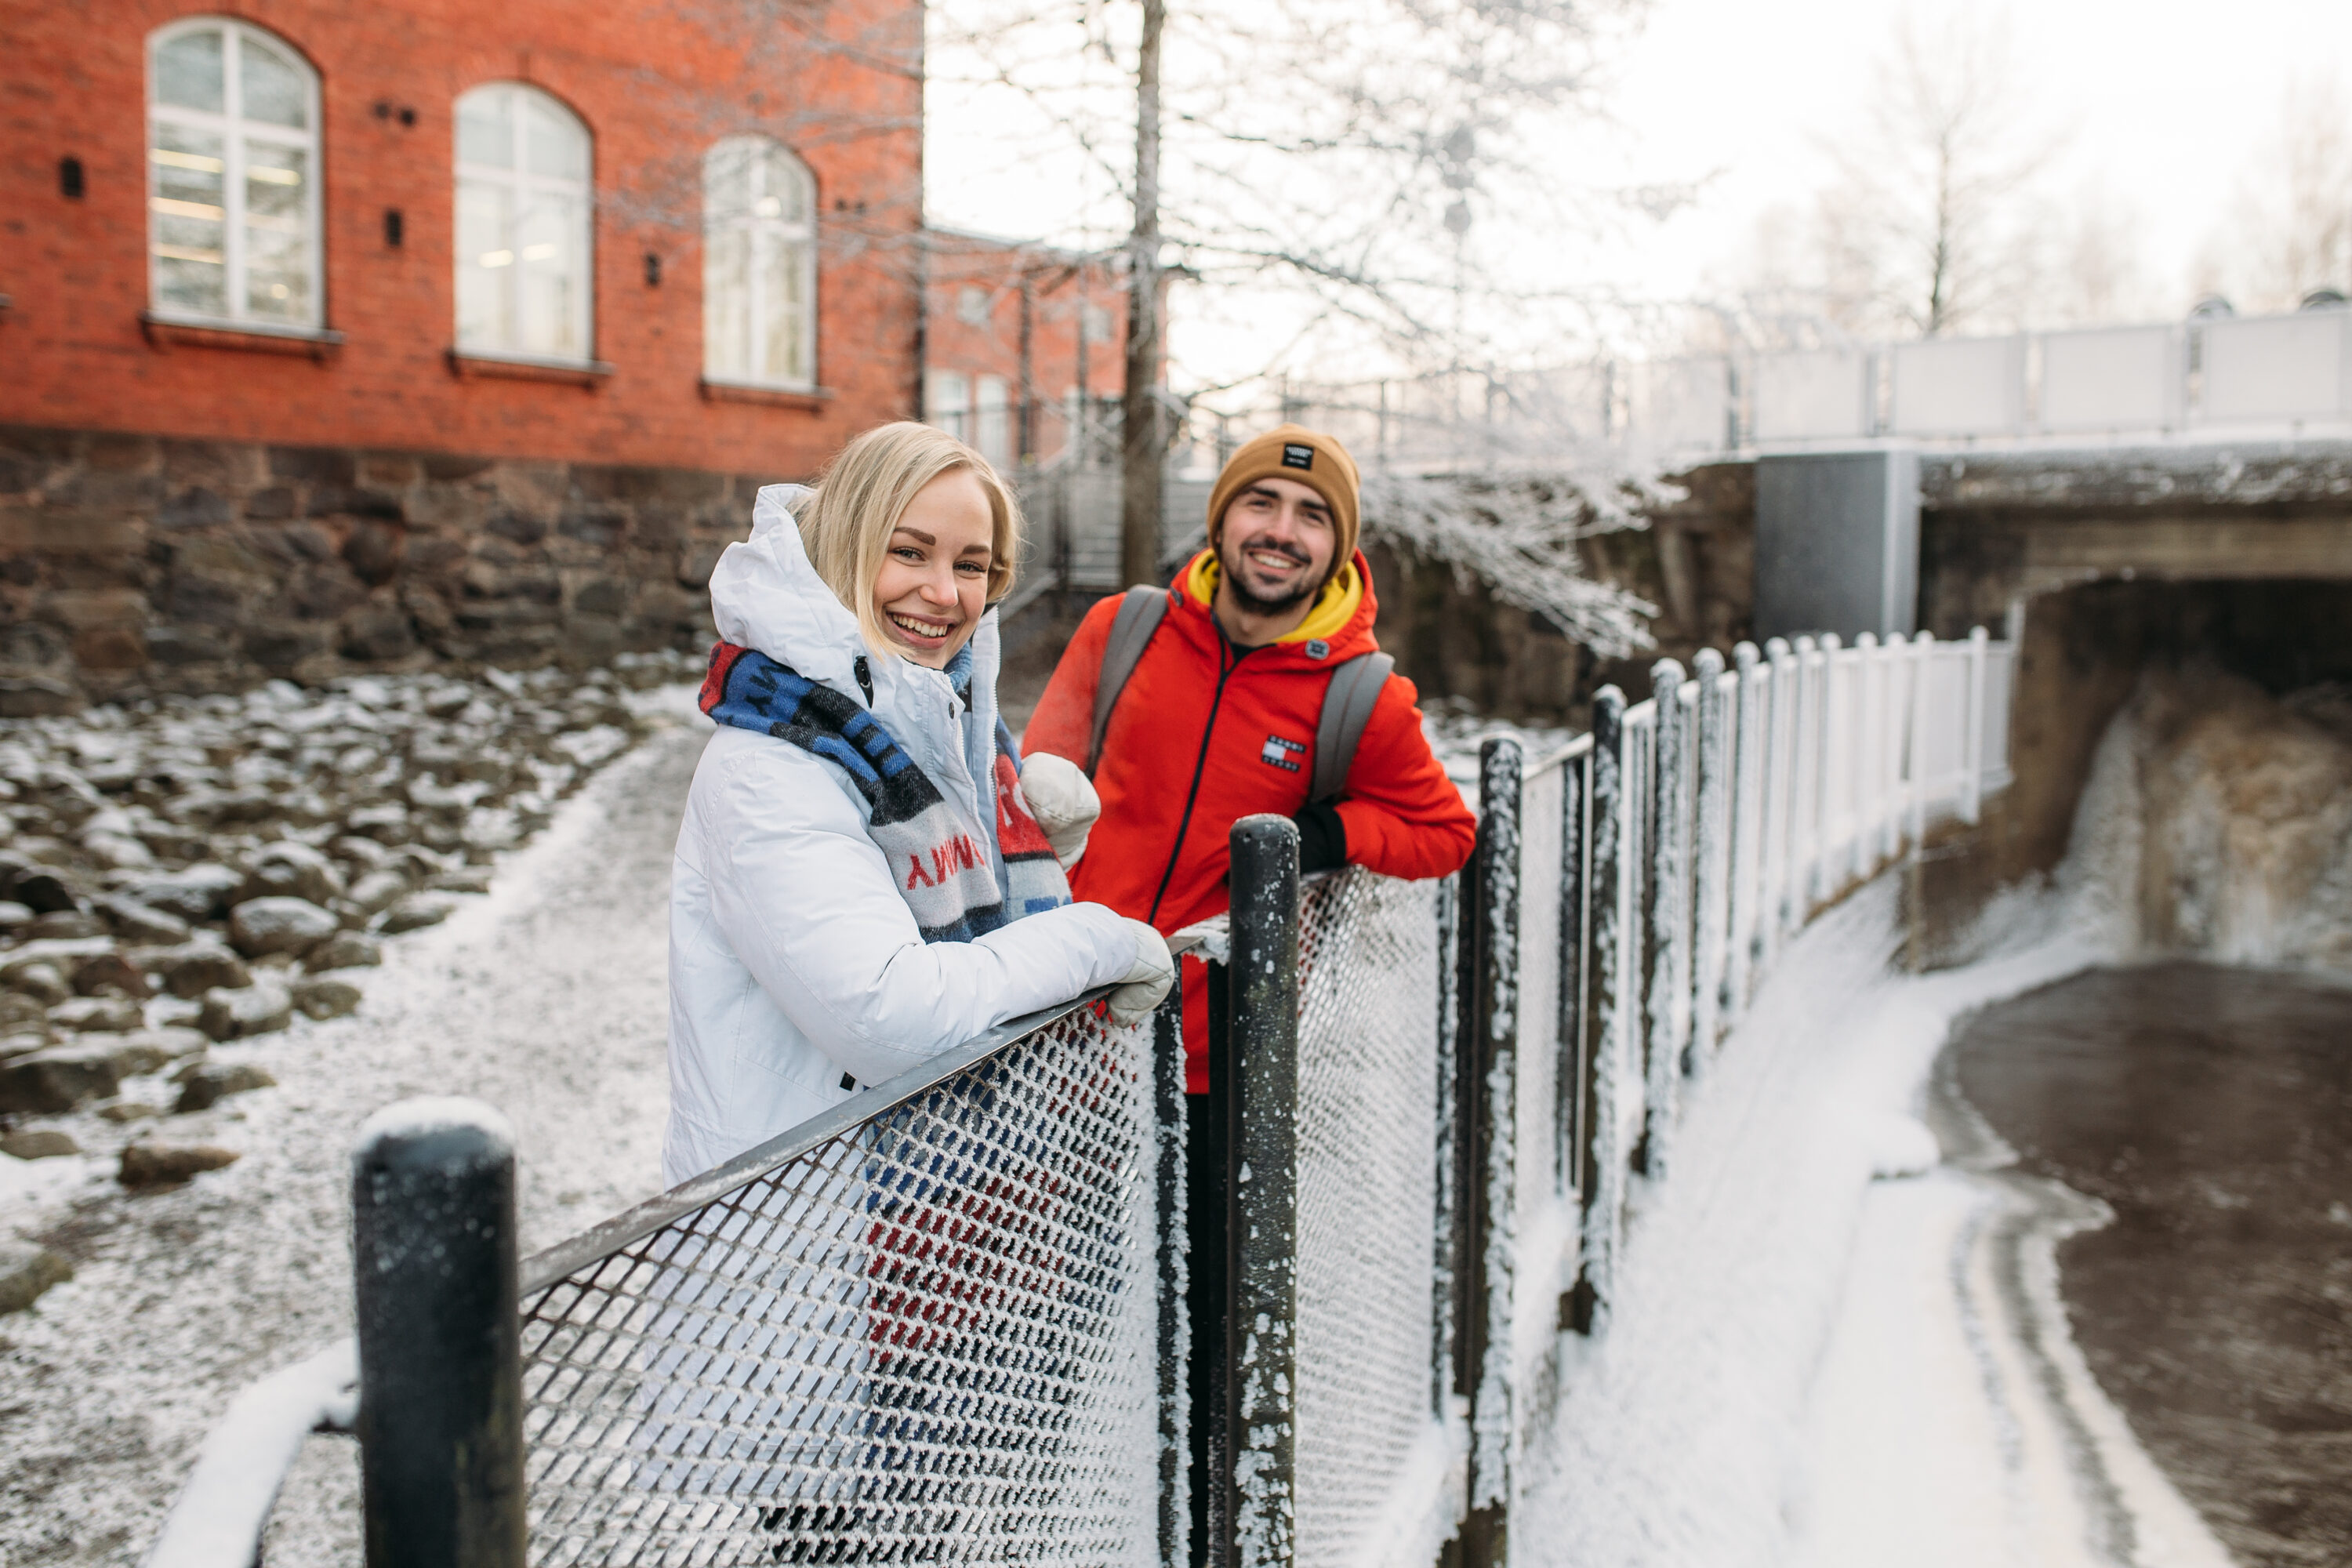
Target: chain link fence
x,y
930,1338
1033,1304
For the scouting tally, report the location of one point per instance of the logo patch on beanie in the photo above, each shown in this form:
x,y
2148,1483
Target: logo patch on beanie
x,y
1297,456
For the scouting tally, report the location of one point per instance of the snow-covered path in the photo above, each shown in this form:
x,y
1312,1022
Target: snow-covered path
x,y
546,999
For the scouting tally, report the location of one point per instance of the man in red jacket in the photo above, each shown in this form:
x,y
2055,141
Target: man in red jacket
x,y
1218,720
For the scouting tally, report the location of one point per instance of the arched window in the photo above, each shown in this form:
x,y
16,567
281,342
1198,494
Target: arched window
x,y
232,176
759,266
523,204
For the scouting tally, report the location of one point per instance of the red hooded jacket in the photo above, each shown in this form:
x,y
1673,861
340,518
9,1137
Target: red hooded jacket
x,y
1206,734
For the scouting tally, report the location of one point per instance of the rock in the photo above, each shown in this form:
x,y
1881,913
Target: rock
x,y
135,922
347,950
20,1014
147,1165
280,924
470,879
385,824
143,1051
44,892
123,1110
414,912
97,1015
118,850
377,890
57,1079
365,853
64,925
324,997
291,870
37,1144
261,1008
14,916
43,982
193,968
23,1042
197,892
110,975
65,952
208,1083
25,1271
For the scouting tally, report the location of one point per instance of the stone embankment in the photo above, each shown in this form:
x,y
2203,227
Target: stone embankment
x,y
181,874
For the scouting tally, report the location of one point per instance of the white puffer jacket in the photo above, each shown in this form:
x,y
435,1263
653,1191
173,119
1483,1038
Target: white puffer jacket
x,y
797,975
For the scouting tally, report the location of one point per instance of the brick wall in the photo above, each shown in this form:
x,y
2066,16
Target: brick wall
x,y
1063,291
135,564
657,83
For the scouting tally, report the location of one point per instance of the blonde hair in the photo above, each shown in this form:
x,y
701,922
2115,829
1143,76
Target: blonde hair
x,y
865,490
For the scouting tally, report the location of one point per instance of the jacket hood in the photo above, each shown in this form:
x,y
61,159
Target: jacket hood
x,y
1340,623
765,594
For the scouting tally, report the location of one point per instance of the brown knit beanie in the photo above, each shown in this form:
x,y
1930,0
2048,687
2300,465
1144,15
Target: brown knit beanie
x,y
1308,457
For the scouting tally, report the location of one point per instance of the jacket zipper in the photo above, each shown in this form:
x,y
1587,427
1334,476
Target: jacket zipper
x,y
1200,765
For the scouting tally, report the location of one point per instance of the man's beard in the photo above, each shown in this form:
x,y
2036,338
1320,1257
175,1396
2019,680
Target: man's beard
x,y
1250,603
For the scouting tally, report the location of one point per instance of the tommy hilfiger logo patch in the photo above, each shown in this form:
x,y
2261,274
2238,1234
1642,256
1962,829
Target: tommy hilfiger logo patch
x,y
1297,456
1281,753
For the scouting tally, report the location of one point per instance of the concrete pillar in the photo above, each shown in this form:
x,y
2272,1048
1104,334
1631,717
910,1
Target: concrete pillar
x,y
1837,543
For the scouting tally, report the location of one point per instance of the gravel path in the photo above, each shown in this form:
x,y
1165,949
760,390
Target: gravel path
x,y
545,998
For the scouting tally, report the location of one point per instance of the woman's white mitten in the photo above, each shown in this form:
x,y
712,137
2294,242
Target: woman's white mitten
x,y
1148,982
1063,800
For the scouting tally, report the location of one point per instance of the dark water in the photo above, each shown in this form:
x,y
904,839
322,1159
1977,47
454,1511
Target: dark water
x,y
2212,1109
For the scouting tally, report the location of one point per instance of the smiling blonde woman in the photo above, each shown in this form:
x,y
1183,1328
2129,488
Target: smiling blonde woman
x,y
860,883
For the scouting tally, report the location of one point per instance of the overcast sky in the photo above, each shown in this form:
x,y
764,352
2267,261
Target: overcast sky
x,y
2164,104
2159,106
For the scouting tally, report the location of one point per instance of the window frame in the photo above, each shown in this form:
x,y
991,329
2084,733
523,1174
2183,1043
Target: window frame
x,y
803,233
937,412
520,182
233,128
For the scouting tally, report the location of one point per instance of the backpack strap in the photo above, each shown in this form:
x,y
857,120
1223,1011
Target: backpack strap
x,y
1139,613
1348,705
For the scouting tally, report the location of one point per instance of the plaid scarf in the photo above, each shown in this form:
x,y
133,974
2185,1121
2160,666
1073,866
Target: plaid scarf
x,y
941,871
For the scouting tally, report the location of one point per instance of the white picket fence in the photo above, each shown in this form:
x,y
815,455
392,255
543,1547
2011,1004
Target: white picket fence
x,y
1635,888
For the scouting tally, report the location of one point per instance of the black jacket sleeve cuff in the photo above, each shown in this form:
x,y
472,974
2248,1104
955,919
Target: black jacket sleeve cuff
x,y
1322,837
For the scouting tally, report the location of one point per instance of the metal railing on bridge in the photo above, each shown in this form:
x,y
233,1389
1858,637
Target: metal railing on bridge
x,y
2211,377
1033,1304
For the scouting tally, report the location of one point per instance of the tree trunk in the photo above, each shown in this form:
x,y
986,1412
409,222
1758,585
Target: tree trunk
x,y
1143,447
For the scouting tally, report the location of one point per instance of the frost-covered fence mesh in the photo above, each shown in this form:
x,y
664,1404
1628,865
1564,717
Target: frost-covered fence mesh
x,y
930,1338
1372,1442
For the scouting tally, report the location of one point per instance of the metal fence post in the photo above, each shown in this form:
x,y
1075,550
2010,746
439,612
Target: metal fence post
x,y
1167,1103
1666,915
1605,901
440,1421
1451,1235
1711,853
1262,1160
1488,1060
1575,843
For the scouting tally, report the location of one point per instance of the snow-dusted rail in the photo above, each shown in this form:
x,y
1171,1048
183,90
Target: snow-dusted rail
x,y
1632,891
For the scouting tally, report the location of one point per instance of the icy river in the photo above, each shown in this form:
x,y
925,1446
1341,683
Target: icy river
x,y
2209,1111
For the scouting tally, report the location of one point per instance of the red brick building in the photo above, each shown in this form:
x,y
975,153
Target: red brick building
x,y
653,231
347,337
1013,332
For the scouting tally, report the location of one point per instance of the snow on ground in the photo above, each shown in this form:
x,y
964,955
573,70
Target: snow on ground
x,y
1831,1349
547,999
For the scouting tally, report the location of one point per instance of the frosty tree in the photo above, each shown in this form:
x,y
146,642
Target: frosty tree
x,y
2290,233
1344,172
1931,221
